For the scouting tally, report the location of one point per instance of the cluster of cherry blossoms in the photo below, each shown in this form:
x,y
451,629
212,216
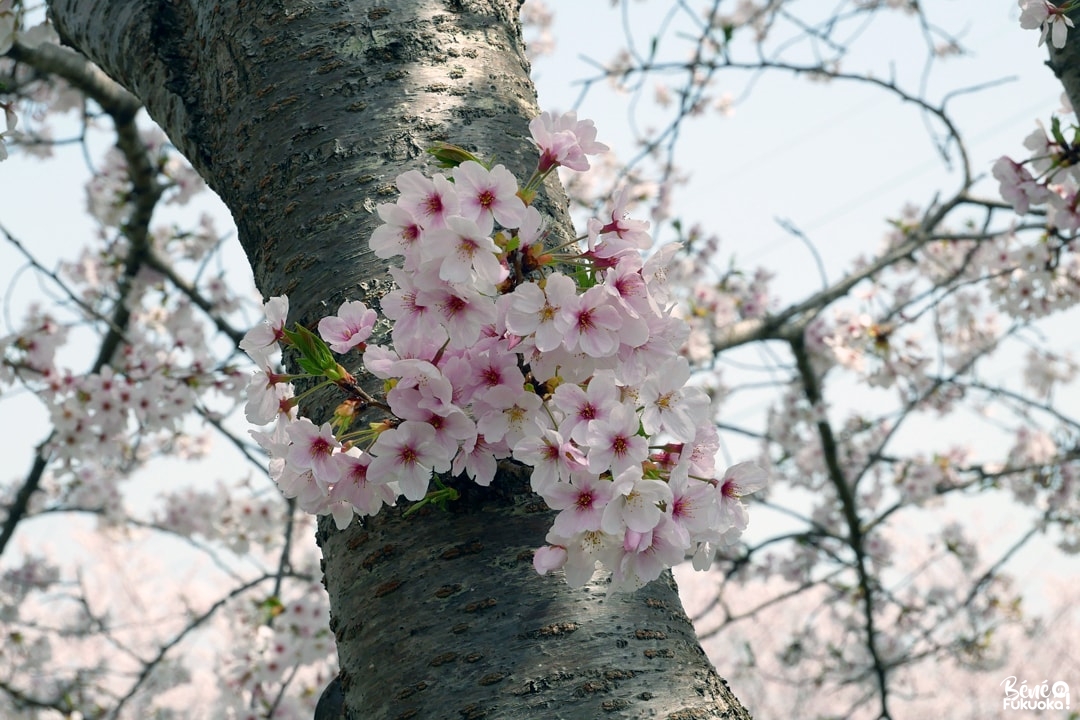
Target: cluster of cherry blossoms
x,y
1050,19
1054,182
13,29
566,359
1043,274
267,652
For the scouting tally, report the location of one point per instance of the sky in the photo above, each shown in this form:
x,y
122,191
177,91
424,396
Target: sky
x,y
836,160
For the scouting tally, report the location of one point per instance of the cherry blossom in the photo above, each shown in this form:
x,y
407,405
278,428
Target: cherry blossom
x,y
407,455
313,448
670,405
565,141
621,232
259,340
398,233
548,558
1018,187
412,316
738,481
642,556
430,201
488,196
583,406
476,326
10,120
590,323
464,252
614,443
349,328
581,501
637,504
364,496
1052,20
533,310
552,458
267,396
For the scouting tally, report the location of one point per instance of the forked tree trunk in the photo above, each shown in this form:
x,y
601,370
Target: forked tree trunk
x,y
301,115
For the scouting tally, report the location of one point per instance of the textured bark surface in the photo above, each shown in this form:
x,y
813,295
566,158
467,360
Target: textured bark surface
x,y
1066,62
301,115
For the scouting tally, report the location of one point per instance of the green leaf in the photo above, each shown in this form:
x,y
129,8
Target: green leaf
x,y
315,355
309,367
450,156
585,279
1055,131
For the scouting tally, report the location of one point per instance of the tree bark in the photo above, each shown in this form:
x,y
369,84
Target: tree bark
x,y
1065,63
301,116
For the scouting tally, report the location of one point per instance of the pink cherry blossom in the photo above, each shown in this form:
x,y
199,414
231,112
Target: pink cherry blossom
x,y
548,558
301,483
614,443
636,504
267,396
591,323
533,310
627,286
694,508
350,327
531,228
583,551
665,334
463,253
565,141
466,369
583,406
453,428
355,488
488,195
1045,15
313,449
407,455
490,371
552,458
619,233
461,310
420,385
478,459
581,502
670,405
260,339
430,201
412,316
738,481
511,414
644,555
398,235
1018,187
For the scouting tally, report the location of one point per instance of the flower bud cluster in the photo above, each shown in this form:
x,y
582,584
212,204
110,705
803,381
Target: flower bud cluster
x,y
566,359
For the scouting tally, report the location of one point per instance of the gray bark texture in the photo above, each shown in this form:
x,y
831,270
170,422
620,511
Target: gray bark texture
x,y
1065,63
300,115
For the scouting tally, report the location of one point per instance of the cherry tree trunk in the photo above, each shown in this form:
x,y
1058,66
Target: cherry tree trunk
x,y
300,116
